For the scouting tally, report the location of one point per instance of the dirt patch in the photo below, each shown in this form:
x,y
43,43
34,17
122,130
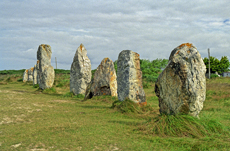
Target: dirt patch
x,y
15,119
16,145
6,120
11,92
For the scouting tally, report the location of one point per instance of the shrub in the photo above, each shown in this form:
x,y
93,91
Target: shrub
x,y
79,96
128,106
9,79
68,94
182,126
36,86
20,80
146,84
20,72
213,76
50,90
59,85
63,71
71,94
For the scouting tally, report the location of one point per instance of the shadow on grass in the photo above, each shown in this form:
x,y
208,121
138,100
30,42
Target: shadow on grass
x,y
21,91
53,94
6,88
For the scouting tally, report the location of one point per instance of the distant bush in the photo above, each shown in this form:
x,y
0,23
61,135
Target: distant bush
x,y
20,72
92,72
63,71
152,69
213,76
9,79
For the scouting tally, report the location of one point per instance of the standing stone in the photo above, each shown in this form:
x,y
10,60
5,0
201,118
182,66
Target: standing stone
x,y
129,77
30,74
35,75
181,87
38,72
104,81
80,72
46,71
25,75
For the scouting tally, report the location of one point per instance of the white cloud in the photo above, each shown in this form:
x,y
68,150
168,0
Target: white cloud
x,y
151,28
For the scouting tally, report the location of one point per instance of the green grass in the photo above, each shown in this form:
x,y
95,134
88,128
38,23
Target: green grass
x,y
10,72
49,91
183,126
61,71
55,119
128,106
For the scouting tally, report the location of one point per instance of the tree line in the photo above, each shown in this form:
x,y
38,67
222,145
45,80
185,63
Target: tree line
x,y
152,69
217,65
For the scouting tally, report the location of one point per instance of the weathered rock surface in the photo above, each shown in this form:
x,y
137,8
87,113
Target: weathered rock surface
x,y
181,87
104,81
35,75
38,72
46,71
30,74
25,75
80,72
129,77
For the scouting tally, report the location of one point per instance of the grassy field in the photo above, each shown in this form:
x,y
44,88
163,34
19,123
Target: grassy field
x,y
55,120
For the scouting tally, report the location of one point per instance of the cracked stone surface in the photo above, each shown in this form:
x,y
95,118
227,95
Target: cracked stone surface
x,y
181,87
80,72
46,72
129,77
104,81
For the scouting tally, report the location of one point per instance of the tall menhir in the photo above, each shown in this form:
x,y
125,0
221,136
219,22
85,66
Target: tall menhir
x,y
46,71
129,77
80,72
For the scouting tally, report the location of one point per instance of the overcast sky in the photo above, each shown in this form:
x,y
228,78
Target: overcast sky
x,y
152,28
